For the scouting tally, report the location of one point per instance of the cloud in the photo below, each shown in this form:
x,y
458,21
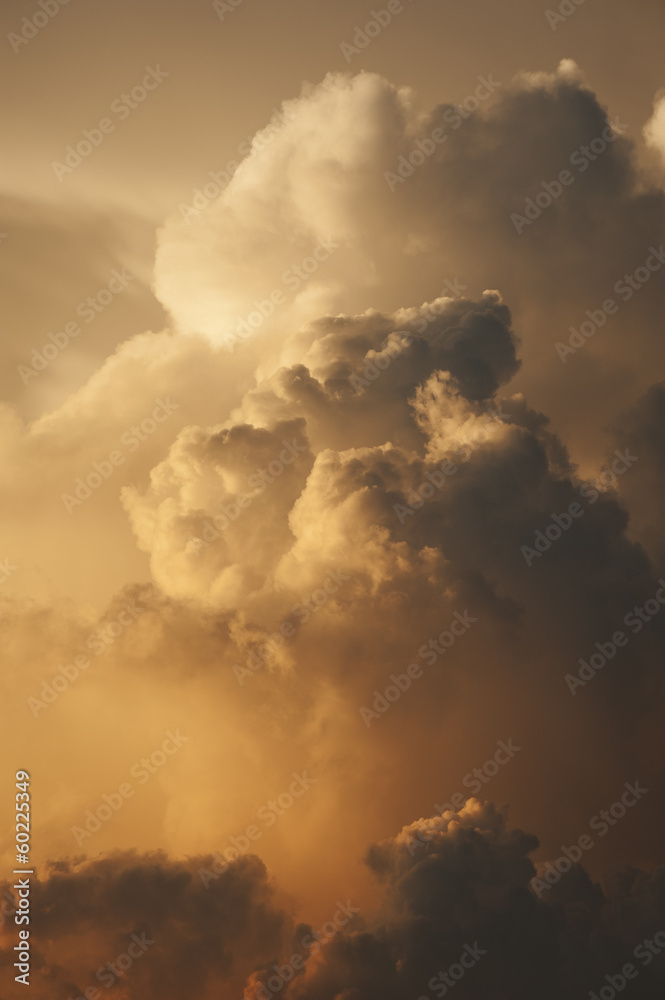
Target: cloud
x,y
222,510
244,479
458,913
182,935
347,478
642,429
457,908
72,255
443,503
313,182
654,130
452,213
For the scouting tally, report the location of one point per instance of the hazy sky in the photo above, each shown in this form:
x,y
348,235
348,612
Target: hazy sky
x,y
332,409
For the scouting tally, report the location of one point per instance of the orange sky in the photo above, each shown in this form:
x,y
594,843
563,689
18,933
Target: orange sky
x,y
291,450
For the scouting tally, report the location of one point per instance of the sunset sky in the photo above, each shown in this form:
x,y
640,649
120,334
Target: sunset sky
x,y
332,572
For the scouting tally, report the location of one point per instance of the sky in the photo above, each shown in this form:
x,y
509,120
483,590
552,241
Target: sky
x,y
332,562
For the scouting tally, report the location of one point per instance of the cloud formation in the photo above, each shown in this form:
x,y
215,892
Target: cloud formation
x,y
357,454
457,911
87,916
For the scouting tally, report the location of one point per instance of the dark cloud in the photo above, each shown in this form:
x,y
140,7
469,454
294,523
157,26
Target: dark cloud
x,y
643,429
459,908
459,915
196,937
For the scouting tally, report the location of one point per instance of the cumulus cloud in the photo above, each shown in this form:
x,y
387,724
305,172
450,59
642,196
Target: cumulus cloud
x,y
88,917
458,910
449,213
223,510
459,913
243,478
315,181
357,454
654,130
642,429
456,499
